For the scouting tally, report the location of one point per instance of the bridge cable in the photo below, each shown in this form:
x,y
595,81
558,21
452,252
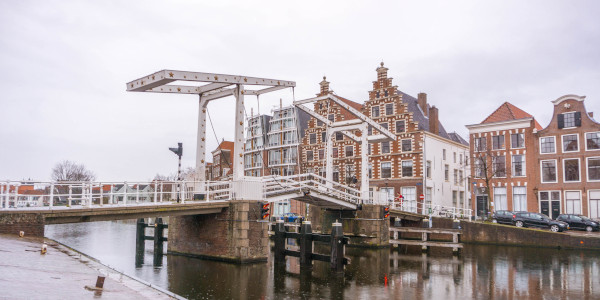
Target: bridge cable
x,y
218,144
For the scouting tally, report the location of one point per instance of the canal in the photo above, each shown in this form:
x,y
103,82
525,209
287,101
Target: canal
x,y
481,272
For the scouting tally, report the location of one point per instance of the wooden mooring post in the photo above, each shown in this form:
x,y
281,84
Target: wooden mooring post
x,y
158,238
336,240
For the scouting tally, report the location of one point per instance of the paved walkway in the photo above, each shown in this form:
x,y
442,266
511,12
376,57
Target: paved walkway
x,y
61,273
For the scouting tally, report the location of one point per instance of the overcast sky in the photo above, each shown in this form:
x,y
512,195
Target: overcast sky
x,y
64,65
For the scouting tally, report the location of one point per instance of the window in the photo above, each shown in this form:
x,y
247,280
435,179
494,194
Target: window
x,y
428,169
385,147
548,170
499,166
571,168
400,126
406,145
547,144
517,140
460,176
370,170
384,125
497,142
407,168
370,130
386,170
309,155
389,109
592,140
446,172
478,168
461,199
444,154
570,143
336,174
455,176
573,202
349,151
335,152
593,166
410,198
313,138
321,154
520,198
323,137
460,158
339,136
454,198
369,148
454,157
568,120
500,198
331,117
480,144
518,165
594,203
374,111
428,192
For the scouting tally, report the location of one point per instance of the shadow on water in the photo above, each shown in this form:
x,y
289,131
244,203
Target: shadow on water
x,y
480,272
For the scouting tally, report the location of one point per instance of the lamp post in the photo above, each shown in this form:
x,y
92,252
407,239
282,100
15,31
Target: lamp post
x,y
178,151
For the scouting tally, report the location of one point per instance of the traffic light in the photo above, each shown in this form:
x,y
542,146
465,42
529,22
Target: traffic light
x,y
264,211
386,212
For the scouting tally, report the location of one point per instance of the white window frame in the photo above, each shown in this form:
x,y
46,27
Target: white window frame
x,y
381,169
548,137
585,140
539,196
587,168
523,202
521,134
500,204
502,138
346,150
562,143
565,170
402,145
512,166
589,198
542,171
428,169
567,203
378,111
574,121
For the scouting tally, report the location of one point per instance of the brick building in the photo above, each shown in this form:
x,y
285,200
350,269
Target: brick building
x,y
568,163
222,160
395,167
504,161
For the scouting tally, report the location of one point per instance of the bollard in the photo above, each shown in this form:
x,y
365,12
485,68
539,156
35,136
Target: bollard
x,y
279,229
425,223
21,233
44,248
337,247
306,244
456,224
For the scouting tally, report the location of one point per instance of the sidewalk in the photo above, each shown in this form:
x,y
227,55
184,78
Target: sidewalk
x,y
61,273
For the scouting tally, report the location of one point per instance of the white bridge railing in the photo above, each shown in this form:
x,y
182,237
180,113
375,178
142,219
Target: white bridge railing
x,y
23,195
415,206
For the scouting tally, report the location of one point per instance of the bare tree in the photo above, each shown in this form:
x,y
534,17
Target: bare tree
x,y
488,165
70,171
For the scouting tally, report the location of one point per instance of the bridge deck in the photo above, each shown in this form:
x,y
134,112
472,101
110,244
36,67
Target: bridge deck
x,y
63,214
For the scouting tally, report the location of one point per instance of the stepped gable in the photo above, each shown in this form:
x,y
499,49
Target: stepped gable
x,y
507,112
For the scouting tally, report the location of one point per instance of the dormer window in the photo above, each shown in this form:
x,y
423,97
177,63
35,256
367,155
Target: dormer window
x,y
569,120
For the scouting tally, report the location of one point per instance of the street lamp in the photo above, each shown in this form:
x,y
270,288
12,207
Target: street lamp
x,y
178,151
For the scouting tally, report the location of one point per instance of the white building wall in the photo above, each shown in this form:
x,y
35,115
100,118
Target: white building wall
x,y
442,189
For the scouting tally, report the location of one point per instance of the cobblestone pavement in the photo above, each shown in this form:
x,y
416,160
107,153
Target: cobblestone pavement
x,y
61,273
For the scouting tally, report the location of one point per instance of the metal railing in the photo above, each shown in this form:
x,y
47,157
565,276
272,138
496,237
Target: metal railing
x,y
415,206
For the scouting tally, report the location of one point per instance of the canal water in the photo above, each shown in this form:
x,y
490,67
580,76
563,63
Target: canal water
x,y
480,272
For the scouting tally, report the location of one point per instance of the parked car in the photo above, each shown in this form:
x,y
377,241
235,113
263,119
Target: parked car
x,y
579,222
503,217
291,217
537,220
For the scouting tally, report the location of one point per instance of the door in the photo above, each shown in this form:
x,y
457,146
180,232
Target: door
x,y
555,209
482,205
545,207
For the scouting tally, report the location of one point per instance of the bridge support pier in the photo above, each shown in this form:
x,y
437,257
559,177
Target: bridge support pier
x,y
366,228
235,235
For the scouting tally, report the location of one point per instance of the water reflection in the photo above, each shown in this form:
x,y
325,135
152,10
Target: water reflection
x,y
480,272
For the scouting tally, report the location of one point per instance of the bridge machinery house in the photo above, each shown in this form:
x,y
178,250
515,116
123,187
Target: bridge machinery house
x,y
569,161
395,167
503,154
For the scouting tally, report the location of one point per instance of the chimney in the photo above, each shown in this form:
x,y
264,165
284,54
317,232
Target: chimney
x,y
422,101
324,86
434,126
381,72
